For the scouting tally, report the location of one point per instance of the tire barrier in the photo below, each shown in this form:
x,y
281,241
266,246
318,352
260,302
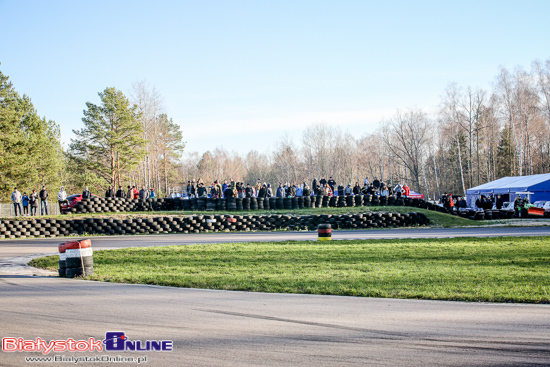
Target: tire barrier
x,y
79,258
57,228
324,232
200,223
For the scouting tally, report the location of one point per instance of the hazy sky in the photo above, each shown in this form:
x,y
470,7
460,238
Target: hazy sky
x,y
239,74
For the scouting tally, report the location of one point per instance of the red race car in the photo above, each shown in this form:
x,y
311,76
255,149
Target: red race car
x,y
72,201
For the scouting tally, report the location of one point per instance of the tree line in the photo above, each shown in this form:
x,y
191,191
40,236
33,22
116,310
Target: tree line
x,y
123,142
474,136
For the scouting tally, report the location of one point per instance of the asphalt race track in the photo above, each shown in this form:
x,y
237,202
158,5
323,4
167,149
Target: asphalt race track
x,y
222,328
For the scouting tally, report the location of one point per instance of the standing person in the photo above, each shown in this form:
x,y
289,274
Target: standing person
x,y
398,189
340,189
188,189
16,200
193,191
366,181
229,192
218,188
376,183
61,197
269,191
323,182
224,186
356,188
130,193
384,191
143,194
248,191
33,201
120,193
306,191
300,190
348,190
25,201
110,193
331,183
406,190
258,186
44,201
280,191
86,194
135,193
262,193
292,190
152,195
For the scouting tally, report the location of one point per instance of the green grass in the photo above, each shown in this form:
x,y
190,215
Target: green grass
x,y
462,269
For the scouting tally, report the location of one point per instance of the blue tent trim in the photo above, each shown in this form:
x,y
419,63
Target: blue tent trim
x,y
539,185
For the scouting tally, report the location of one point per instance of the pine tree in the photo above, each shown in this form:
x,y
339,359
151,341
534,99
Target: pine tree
x,y
30,149
110,142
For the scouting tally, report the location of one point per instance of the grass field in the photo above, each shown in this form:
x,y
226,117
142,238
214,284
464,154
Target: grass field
x,y
465,269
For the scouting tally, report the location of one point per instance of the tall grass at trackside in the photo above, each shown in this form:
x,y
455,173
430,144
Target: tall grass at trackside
x,y
506,269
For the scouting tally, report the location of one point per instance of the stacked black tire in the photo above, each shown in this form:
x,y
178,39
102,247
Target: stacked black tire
x,y
101,205
204,223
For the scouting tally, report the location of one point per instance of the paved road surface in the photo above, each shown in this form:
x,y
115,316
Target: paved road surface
x,y
220,328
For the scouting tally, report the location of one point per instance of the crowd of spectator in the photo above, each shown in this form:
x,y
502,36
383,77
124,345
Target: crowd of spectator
x,y
27,204
227,188
197,188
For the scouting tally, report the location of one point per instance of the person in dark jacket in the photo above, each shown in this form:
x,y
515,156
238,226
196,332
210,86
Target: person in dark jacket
x,y
33,202
376,183
110,193
43,201
201,190
269,191
331,183
323,182
341,189
229,192
292,190
263,191
86,194
356,188
120,193
248,191
306,191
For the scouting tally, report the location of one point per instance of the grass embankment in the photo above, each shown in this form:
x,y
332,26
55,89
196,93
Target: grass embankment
x,y
437,219
463,269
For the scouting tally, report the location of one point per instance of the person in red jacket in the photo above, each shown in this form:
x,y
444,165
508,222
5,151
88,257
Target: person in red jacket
x,y
406,190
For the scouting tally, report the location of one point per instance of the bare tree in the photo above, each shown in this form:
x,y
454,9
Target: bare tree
x,y
406,135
